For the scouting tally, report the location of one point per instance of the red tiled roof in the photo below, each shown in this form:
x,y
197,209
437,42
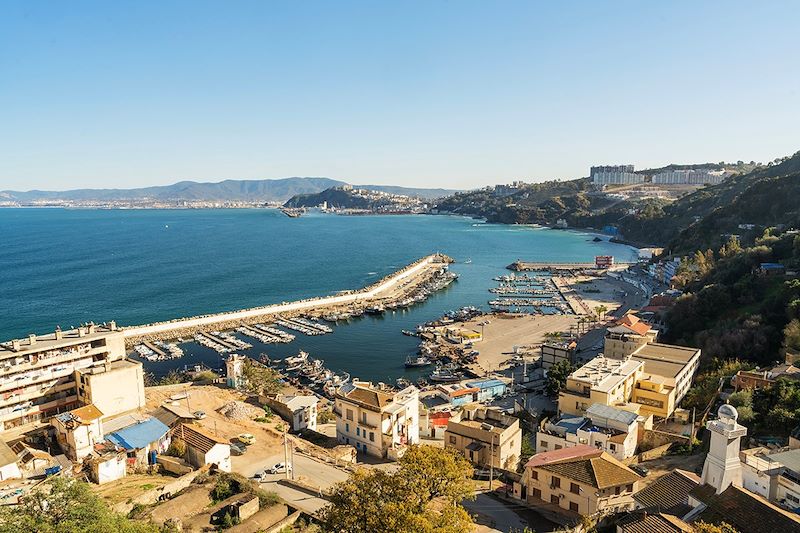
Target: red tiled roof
x,y
563,454
634,324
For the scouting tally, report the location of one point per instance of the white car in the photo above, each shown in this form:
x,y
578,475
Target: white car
x,y
279,468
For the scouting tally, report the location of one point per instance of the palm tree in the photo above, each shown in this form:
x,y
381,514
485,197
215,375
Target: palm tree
x,y
601,310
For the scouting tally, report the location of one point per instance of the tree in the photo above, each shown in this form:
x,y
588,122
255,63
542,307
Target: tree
x,y
62,505
704,527
731,248
601,310
557,376
424,494
260,379
177,447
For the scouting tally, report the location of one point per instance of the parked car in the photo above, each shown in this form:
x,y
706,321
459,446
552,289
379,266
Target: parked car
x,y
237,448
641,470
247,439
280,468
199,415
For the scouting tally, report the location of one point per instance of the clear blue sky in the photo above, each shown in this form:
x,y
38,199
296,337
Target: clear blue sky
x,y
453,94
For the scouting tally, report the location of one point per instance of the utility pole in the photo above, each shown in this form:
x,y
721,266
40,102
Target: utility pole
x,y
691,433
286,454
491,463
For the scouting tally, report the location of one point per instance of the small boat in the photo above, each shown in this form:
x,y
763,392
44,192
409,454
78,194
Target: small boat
x,y
422,382
445,376
468,261
409,333
403,383
375,309
416,361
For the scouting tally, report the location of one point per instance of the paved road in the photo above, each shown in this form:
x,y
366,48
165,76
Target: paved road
x,y
497,515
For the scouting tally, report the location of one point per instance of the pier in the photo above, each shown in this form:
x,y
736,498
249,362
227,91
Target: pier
x,y
394,287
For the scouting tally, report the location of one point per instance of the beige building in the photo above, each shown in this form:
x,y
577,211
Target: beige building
x,y
377,422
114,387
78,431
486,437
38,377
602,380
627,335
582,480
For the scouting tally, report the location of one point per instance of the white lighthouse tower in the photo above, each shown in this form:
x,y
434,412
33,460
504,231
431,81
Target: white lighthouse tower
x,y
722,467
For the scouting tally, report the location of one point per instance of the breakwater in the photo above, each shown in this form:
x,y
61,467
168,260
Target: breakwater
x,y
392,288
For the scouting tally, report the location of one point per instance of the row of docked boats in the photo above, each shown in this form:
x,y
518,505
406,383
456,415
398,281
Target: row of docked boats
x,y
301,369
523,279
166,351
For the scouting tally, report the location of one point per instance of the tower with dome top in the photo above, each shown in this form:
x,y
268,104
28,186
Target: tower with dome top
x,y
722,467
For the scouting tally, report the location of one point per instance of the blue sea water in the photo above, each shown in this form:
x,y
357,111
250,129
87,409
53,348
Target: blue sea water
x,y
67,266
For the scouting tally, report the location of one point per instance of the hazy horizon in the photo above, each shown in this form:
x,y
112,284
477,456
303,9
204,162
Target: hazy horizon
x,y
434,95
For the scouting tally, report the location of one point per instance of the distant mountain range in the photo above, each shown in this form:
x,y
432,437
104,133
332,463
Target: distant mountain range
x,y
267,190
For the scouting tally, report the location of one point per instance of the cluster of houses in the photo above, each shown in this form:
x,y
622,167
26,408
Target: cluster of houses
x,y
73,400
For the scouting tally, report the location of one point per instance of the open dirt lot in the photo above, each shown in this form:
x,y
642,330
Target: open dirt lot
x,y
130,486
504,331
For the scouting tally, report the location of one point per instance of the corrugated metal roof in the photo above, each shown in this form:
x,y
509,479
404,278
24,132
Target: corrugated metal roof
x,y
138,435
611,413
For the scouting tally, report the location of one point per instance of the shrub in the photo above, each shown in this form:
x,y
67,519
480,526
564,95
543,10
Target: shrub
x,y
222,489
205,375
177,448
324,417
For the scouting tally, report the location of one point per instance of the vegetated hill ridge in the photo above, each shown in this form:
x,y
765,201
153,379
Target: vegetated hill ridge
x,y
267,190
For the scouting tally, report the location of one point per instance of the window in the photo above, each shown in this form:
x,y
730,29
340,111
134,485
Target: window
x,y
543,444
349,414
629,488
372,436
558,446
573,506
554,499
358,431
574,488
792,497
534,474
613,447
537,493
347,428
616,490
363,418
452,439
556,481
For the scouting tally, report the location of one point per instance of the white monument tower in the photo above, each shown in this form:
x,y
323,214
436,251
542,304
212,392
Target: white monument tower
x,y
722,467
234,366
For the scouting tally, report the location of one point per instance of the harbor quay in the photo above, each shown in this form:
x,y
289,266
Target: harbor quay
x,y
390,290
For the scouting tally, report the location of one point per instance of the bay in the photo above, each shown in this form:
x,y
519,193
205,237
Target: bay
x,y
67,266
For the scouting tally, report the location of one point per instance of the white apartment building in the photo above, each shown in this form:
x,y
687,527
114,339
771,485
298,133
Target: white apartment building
x,y
39,375
775,476
615,175
375,421
606,428
692,176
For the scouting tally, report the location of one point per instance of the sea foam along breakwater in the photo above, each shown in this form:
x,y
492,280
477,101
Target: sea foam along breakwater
x,y
392,287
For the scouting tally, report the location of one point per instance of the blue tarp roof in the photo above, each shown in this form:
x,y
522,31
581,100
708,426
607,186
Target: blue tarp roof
x,y
486,383
769,266
138,435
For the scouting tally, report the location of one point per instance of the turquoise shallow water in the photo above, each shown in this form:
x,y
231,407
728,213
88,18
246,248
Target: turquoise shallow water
x,y
63,267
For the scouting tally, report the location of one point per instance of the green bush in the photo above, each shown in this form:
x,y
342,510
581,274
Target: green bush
x,y
177,448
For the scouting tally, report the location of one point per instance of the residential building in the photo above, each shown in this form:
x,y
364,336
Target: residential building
x,y
602,380
615,175
172,415
375,421
668,374
690,176
38,376
203,447
627,335
669,493
553,353
488,389
457,394
740,508
142,441
300,411
606,428
433,424
774,476
486,436
107,464
78,431
581,480
749,380
643,522
115,387
9,468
